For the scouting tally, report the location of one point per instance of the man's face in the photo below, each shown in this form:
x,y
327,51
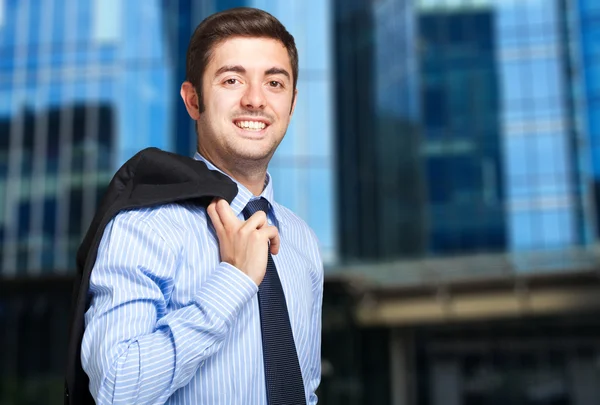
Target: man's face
x,y
248,99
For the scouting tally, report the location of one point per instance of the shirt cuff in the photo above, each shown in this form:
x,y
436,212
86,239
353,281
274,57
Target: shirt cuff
x,y
226,291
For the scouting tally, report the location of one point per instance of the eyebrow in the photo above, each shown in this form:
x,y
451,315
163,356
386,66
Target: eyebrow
x,y
241,70
278,71
229,68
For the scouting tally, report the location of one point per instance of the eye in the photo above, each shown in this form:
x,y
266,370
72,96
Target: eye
x,y
274,83
231,81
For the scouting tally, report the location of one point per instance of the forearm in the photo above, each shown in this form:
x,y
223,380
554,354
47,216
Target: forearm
x,y
145,365
123,375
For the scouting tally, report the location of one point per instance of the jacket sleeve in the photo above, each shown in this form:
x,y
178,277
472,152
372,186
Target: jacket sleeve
x,y
132,350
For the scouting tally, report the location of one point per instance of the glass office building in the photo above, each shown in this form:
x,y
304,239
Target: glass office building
x,y
586,30
80,93
541,161
461,145
85,85
500,157
380,211
488,140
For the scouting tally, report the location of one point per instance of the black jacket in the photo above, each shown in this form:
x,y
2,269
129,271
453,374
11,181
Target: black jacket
x,y
152,177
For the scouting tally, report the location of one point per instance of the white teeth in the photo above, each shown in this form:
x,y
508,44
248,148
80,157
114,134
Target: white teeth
x,y
251,125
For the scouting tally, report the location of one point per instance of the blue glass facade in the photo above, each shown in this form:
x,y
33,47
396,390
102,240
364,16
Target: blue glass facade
x,y
79,95
479,126
461,144
499,165
587,53
540,164
380,207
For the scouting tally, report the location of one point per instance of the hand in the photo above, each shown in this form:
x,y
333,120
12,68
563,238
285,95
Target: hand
x,y
244,244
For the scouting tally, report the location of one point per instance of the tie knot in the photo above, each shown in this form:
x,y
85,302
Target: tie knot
x,y
254,206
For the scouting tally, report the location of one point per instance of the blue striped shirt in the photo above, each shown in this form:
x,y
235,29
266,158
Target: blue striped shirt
x,y
170,323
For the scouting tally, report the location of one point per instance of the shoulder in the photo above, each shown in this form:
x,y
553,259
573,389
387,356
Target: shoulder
x,y
293,223
165,215
171,222
302,237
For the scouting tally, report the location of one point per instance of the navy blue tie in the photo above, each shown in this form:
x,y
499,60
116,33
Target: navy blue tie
x,y
282,370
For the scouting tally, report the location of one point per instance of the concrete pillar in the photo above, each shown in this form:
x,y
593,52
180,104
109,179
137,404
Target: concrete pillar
x,y
446,382
401,367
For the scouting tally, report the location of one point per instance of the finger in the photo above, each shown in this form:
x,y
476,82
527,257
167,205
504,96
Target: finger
x,y
226,214
211,210
272,234
256,221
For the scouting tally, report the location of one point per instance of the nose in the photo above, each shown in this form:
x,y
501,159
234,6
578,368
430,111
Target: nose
x,y
254,97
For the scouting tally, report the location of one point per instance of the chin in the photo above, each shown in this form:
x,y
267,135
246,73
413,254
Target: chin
x,y
253,152
254,156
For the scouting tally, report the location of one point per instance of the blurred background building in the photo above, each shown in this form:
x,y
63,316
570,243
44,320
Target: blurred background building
x,y
446,153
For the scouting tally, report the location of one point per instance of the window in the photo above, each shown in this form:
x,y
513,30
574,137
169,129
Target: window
x,y
106,21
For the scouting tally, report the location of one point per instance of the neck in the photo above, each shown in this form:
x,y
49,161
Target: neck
x,y
252,180
249,174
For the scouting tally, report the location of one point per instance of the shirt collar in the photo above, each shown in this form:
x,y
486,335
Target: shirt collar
x,y
244,195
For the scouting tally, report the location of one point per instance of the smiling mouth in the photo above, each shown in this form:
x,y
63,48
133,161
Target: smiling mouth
x,y
255,126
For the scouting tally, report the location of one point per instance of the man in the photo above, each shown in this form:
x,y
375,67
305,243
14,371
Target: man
x,y
184,303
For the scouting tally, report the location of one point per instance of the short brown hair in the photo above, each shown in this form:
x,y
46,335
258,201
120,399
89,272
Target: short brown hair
x,y
235,22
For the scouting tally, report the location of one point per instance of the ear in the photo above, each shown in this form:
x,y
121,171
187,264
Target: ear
x,y
294,102
190,98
